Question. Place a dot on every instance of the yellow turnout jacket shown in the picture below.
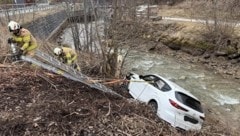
(25, 40)
(69, 54)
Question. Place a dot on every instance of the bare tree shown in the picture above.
(220, 16)
(118, 16)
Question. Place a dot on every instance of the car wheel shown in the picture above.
(153, 105)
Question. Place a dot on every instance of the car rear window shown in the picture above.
(189, 101)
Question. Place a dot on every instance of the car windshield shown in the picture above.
(157, 82)
(149, 78)
(189, 101)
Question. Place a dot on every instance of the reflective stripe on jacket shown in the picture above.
(69, 54)
(25, 40)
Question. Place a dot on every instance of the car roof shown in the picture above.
(176, 87)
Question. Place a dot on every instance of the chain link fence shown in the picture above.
(24, 13)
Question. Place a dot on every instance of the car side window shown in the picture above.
(160, 84)
(163, 86)
(148, 78)
(157, 82)
(166, 88)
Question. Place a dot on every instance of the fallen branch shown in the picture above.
(48, 80)
(5, 66)
(123, 132)
(109, 109)
(145, 119)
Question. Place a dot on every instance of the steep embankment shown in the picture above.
(36, 102)
(42, 103)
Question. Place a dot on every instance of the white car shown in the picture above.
(171, 102)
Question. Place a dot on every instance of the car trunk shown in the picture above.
(190, 113)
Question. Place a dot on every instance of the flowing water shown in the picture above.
(219, 96)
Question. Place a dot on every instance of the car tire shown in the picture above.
(153, 104)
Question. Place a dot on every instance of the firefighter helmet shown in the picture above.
(12, 25)
(57, 51)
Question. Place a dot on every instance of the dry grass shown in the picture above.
(22, 19)
(4, 34)
(173, 12)
(180, 10)
(192, 30)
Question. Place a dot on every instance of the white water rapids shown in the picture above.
(219, 96)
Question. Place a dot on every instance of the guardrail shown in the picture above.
(16, 6)
(13, 9)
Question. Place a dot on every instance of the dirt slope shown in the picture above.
(30, 105)
(41, 103)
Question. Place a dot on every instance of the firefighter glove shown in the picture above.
(10, 40)
(63, 60)
(20, 52)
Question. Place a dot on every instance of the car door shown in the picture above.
(136, 87)
(149, 91)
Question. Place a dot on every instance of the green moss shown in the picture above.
(178, 41)
(164, 40)
(204, 45)
(6, 2)
(186, 42)
(181, 39)
(173, 39)
(231, 50)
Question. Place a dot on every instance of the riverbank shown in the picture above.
(182, 41)
(220, 65)
(224, 55)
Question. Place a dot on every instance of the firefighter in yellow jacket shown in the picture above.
(67, 56)
(23, 38)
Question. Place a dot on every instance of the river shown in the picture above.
(219, 96)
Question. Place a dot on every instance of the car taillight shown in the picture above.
(202, 118)
(174, 104)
